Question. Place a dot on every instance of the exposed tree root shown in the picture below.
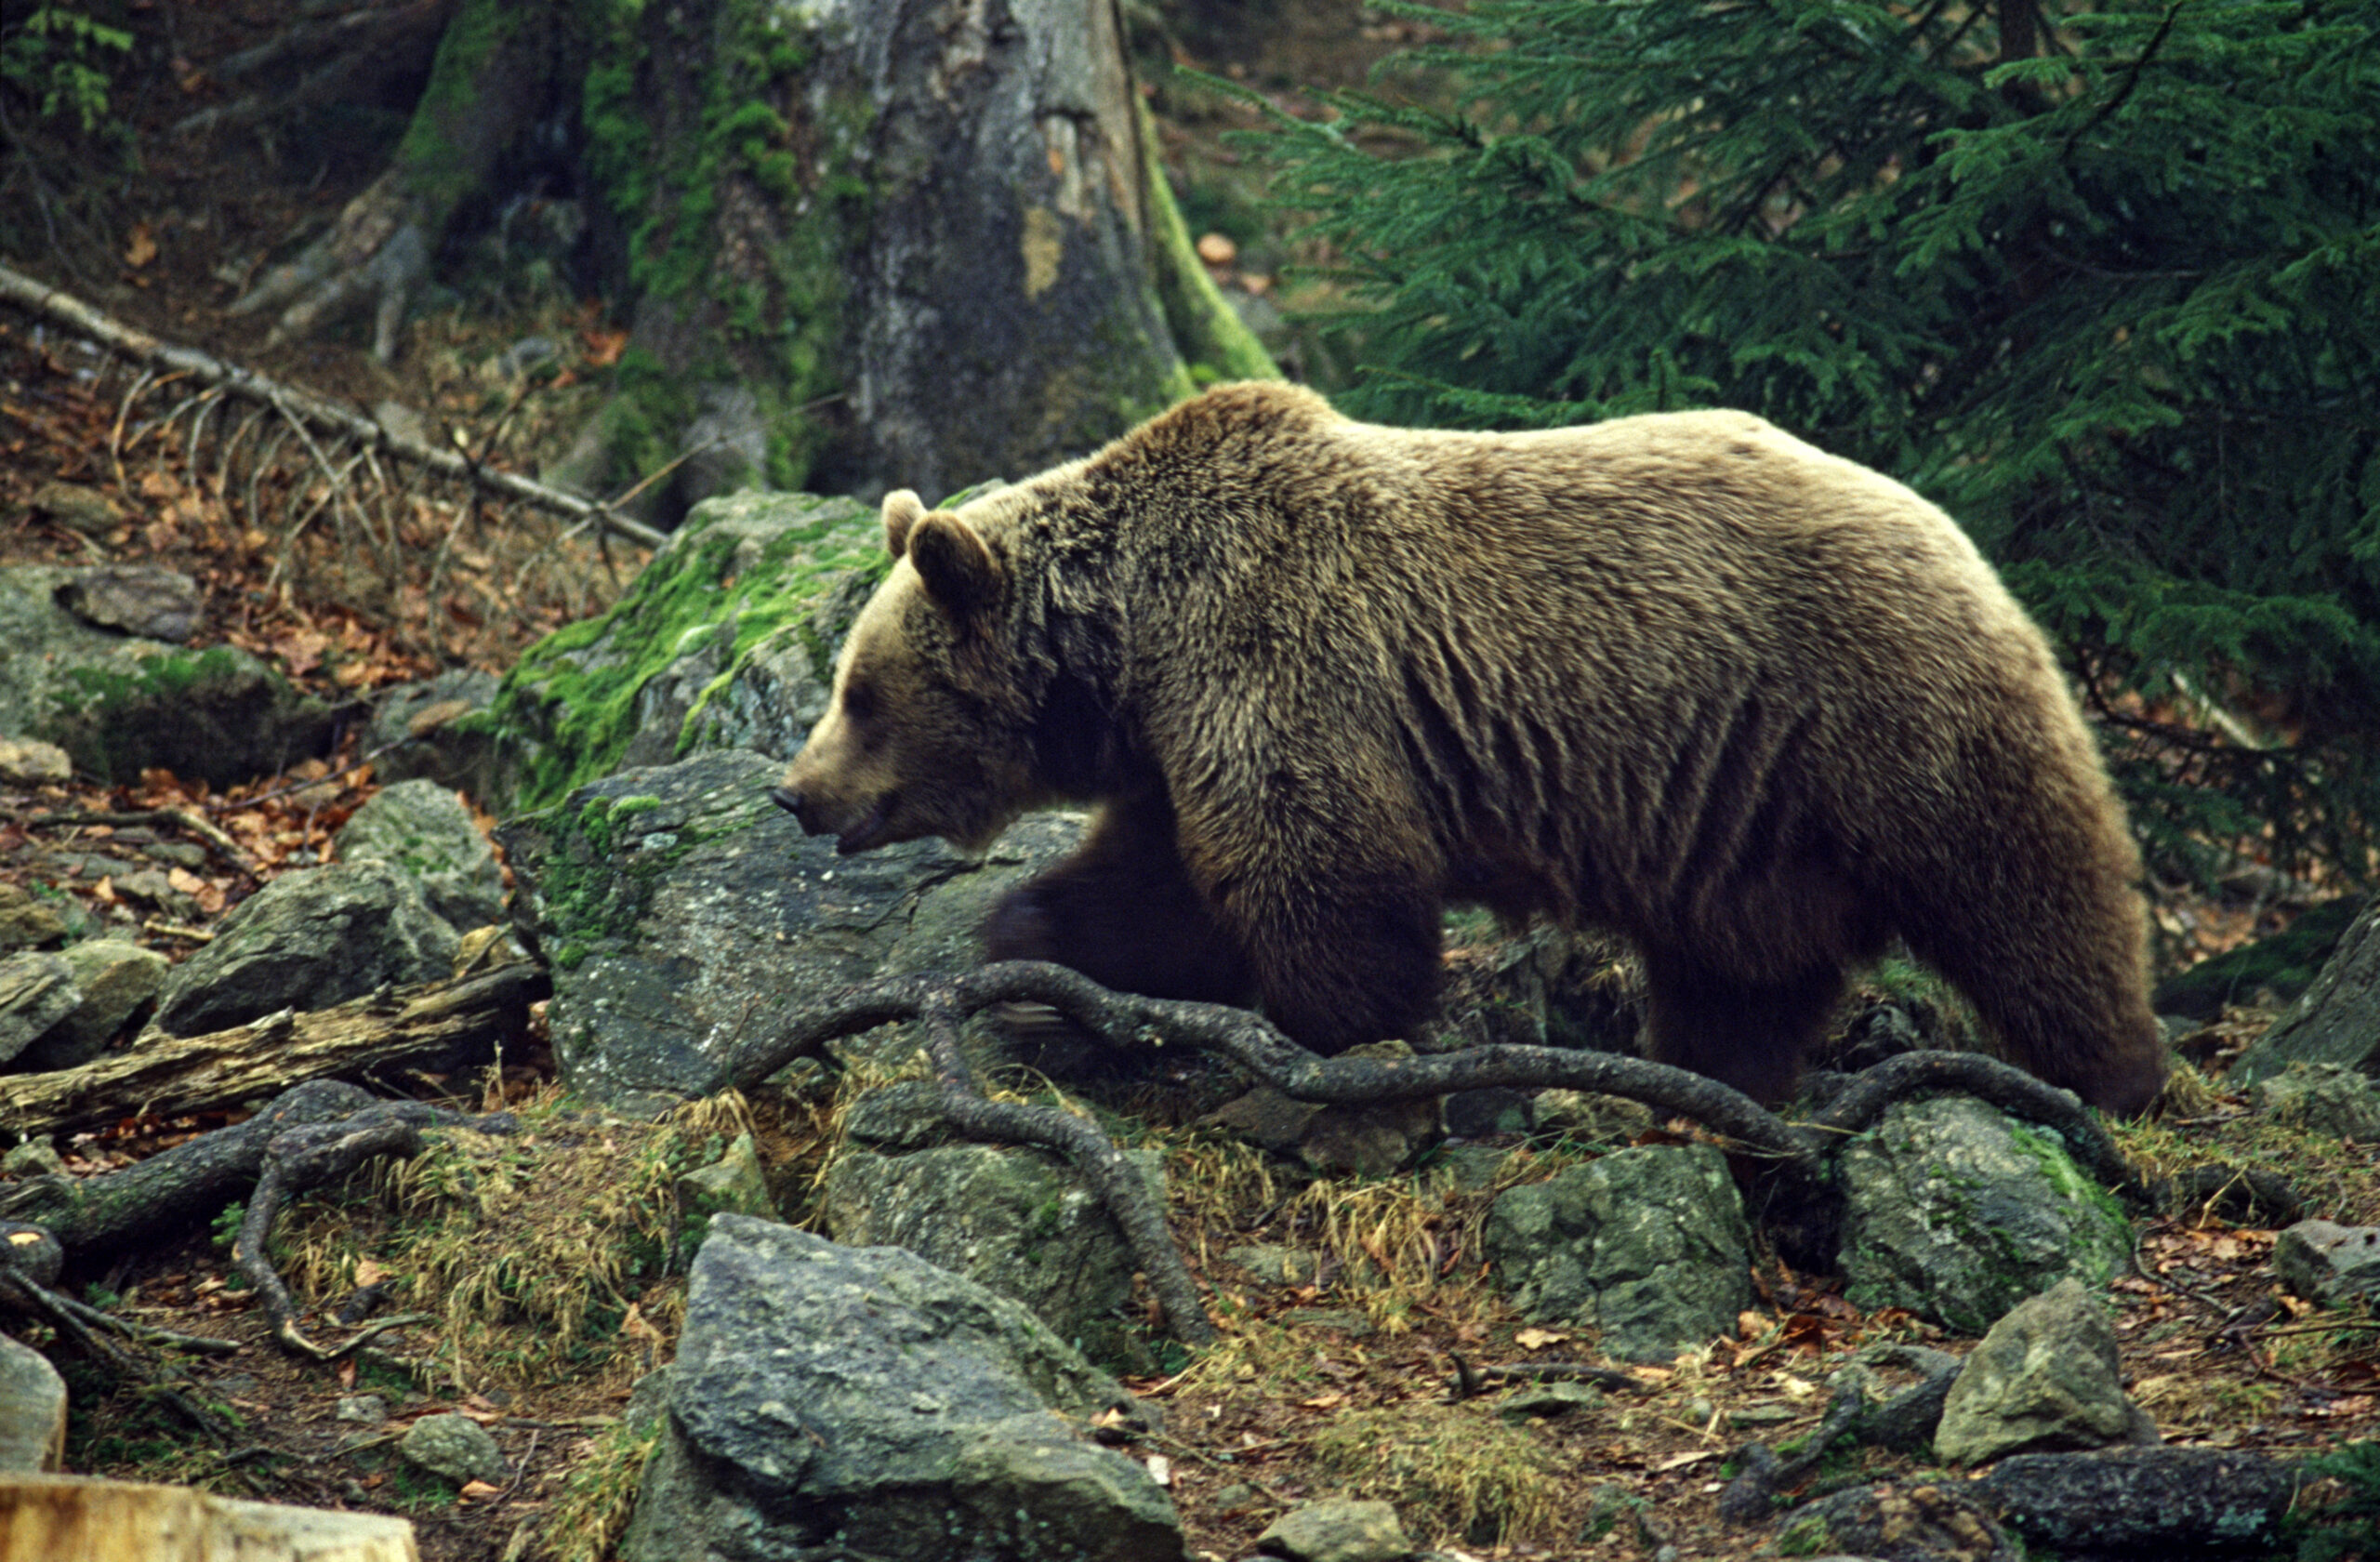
(311, 1155)
(1797, 1154)
(308, 1136)
(322, 1131)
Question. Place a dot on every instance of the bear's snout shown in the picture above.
(816, 818)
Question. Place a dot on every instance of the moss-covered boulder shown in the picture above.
(1958, 1213)
(119, 704)
(726, 640)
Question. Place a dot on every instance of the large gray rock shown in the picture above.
(1957, 1213)
(2046, 1378)
(2337, 1020)
(2146, 1502)
(37, 992)
(33, 1409)
(2323, 1097)
(119, 703)
(680, 909)
(111, 980)
(862, 1402)
(423, 829)
(2329, 1264)
(1647, 1245)
(309, 940)
(1015, 1220)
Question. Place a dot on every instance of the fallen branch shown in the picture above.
(225, 1067)
(304, 406)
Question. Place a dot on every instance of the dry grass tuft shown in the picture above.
(550, 1254)
(1458, 1472)
(599, 1497)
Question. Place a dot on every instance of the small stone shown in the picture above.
(2046, 1377)
(2329, 1264)
(368, 1409)
(1277, 1263)
(147, 601)
(733, 1183)
(34, 1157)
(77, 508)
(28, 762)
(115, 979)
(27, 920)
(1339, 1529)
(1217, 249)
(36, 991)
(456, 1447)
(1549, 1399)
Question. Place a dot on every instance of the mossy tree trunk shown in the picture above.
(863, 243)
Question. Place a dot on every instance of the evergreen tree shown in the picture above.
(2101, 276)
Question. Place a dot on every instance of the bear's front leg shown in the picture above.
(1346, 961)
(1121, 910)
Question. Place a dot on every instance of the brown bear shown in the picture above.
(1681, 676)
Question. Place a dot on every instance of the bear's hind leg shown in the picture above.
(1748, 1035)
(2056, 971)
(1121, 910)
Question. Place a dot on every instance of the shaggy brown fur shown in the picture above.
(1682, 675)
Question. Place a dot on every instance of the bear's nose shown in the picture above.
(792, 802)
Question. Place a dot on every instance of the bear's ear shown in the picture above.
(959, 571)
(902, 508)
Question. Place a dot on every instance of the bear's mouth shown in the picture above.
(868, 832)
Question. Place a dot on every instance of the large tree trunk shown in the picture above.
(869, 242)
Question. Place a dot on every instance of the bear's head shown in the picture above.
(930, 728)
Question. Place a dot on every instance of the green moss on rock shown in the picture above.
(740, 570)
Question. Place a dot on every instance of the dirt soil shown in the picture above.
(1337, 1385)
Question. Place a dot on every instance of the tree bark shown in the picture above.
(862, 245)
(468, 1015)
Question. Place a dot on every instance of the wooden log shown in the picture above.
(93, 1521)
(467, 1014)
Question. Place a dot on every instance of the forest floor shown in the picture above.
(1340, 1385)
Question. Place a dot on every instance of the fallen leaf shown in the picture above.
(480, 1491)
(1679, 1462)
(1325, 1401)
(1538, 1339)
(139, 246)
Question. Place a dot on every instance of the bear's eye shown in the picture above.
(859, 700)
